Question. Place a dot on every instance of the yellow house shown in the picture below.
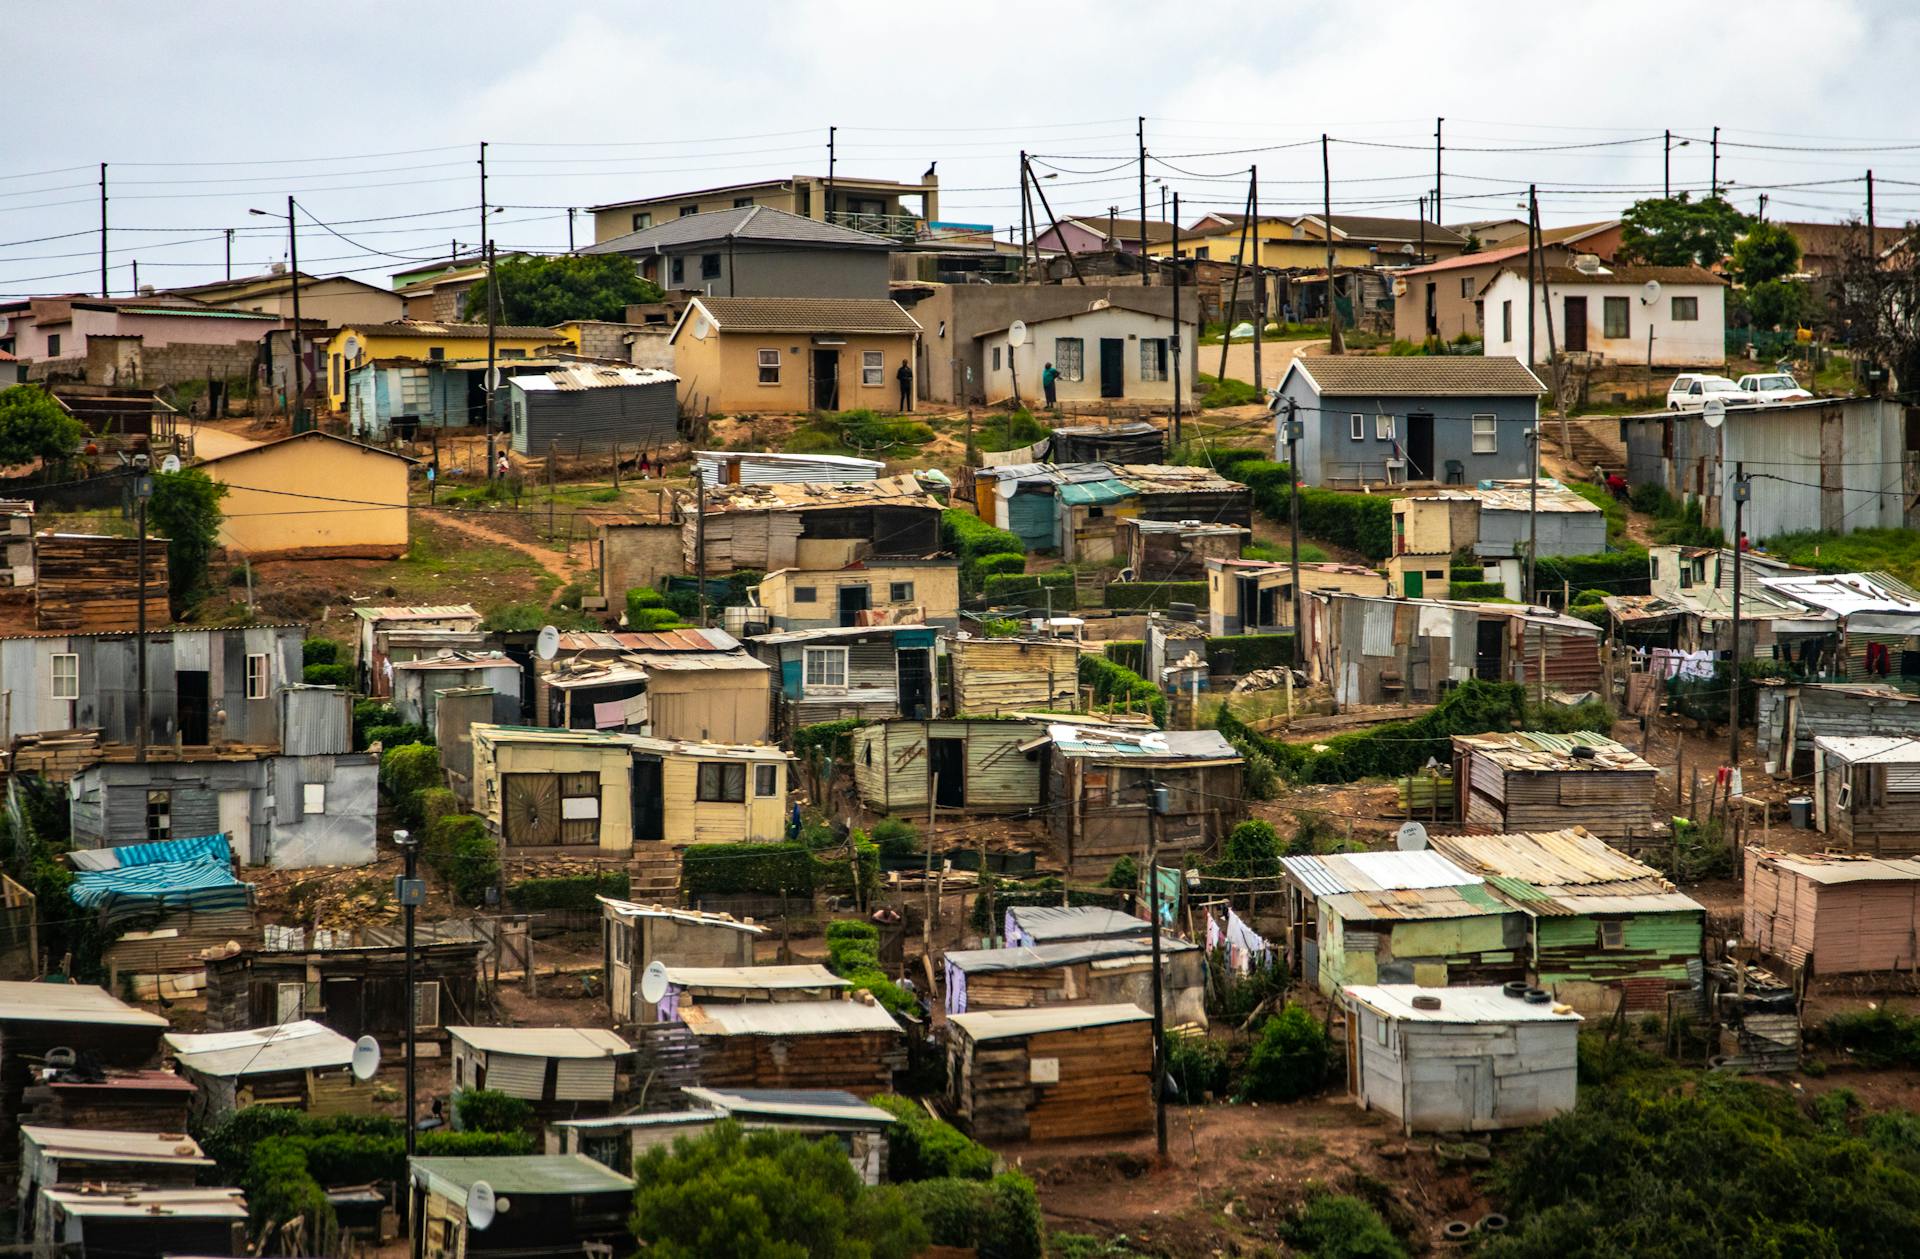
(357, 343)
(708, 793)
(793, 354)
(901, 592)
(1301, 241)
(1256, 596)
(313, 494)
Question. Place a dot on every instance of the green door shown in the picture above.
(1413, 583)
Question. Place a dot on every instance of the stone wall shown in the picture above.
(158, 366)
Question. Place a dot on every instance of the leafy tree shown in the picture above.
(1767, 251)
(1252, 850)
(1878, 302)
(1290, 1058)
(32, 426)
(766, 1195)
(185, 509)
(1776, 303)
(547, 291)
(1680, 231)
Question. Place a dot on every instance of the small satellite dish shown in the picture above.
(1714, 413)
(495, 376)
(1017, 333)
(366, 1058)
(701, 328)
(170, 464)
(547, 646)
(481, 1208)
(1412, 837)
(5, 323)
(350, 348)
(1650, 292)
(653, 982)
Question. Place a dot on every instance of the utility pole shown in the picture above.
(1233, 302)
(1140, 135)
(411, 893)
(570, 210)
(103, 231)
(1873, 243)
(1439, 125)
(1742, 488)
(136, 277)
(229, 253)
(1259, 283)
(833, 150)
(1175, 344)
(1027, 180)
(1716, 162)
(700, 537)
(1336, 342)
(142, 490)
(1666, 164)
(1293, 516)
(1156, 811)
(483, 197)
(1423, 232)
(293, 273)
(1533, 437)
(493, 303)
(1763, 198)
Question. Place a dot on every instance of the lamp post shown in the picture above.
(410, 891)
(142, 491)
(293, 273)
(1666, 163)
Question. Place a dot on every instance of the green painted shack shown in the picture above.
(1603, 924)
(1398, 918)
(984, 764)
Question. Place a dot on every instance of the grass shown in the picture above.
(1895, 551)
(1616, 511)
(865, 433)
(1309, 553)
(1227, 393)
(485, 574)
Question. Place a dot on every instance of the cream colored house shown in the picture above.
(896, 592)
(325, 300)
(708, 793)
(1107, 352)
(737, 354)
(1256, 596)
(313, 494)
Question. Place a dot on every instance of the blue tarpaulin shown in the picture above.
(192, 874)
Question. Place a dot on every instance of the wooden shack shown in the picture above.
(169, 903)
(360, 991)
(1097, 792)
(860, 1129)
(1081, 972)
(145, 1100)
(1372, 650)
(995, 676)
(1460, 1059)
(1790, 716)
(851, 1045)
(768, 527)
(1032, 926)
(634, 936)
(102, 1222)
(301, 1065)
(1536, 781)
(1055, 1074)
(1176, 550)
(52, 1158)
(564, 1072)
(562, 1204)
(1832, 913)
(689, 986)
(982, 765)
(389, 635)
(867, 671)
(90, 584)
(1866, 793)
(37, 1017)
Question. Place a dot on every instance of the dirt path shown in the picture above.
(566, 567)
(1274, 358)
(210, 442)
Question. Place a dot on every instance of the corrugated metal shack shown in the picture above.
(992, 676)
(1794, 714)
(1080, 972)
(104, 1221)
(417, 682)
(391, 634)
(1460, 1059)
(355, 991)
(1872, 629)
(1398, 917)
(767, 527)
(1866, 792)
(53, 1157)
(1177, 550)
(1136, 441)
(689, 986)
(872, 672)
(301, 1065)
(859, 1128)
(565, 1072)
(1031, 926)
(563, 1204)
(1539, 781)
(1052, 1074)
(90, 584)
(984, 765)
(849, 1045)
(634, 936)
(184, 897)
(763, 467)
(112, 1100)
(591, 406)
(1378, 650)
(1831, 913)
(36, 1017)
(1096, 787)
(1603, 925)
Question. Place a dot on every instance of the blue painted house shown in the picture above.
(427, 393)
(1373, 420)
(868, 671)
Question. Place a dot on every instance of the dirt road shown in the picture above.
(1274, 357)
(210, 442)
(565, 567)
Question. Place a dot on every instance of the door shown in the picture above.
(1433, 312)
(853, 601)
(916, 683)
(1413, 583)
(947, 758)
(1489, 641)
(346, 1013)
(649, 819)
(826, 380)
(1576, 312)
(193, 708)
(236, 823)
(1420, 448)
(530, 808)
(1113, 359)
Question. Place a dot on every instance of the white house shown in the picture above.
(1608, 310)
(1105, 352)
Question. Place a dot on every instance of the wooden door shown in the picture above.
(1113, 367)
(580, 808)
(530, 808)
(1576, 312)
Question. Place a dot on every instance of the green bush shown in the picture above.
(368, 713)
(1029, 590)
(396, 735)
(920, 1147)
(1001, 565)
(319, 651)
(436, 803)
(1340, 1226)
(1252, 851)
(1009, 431)
(459, 849)
(1879, 1038)
(1470, 590)
(406, 771)
(489, 1110)
(1259, 776)
(748, 869)
(1116, 687)
(832, 739)
(1623, 572)
(853, 953)
(1125, 874)
(1289, 1059)
(653, 620)
(1356, 522)
(1154, 594)
(972, 540)
(1197, 1065)
(327, 675)
(1245, 653)
(1216, 392)
(569, 891)
(895, 837)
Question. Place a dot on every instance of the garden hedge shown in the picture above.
(1154, 594)
(569, 891)
(1119, 687)
(1128, 653)
(973, 539)
(747, 869)
(1476, 589)
(327, 674)
(1616, 572)
(1359, 522)
(1248, 652)
(1029, 590)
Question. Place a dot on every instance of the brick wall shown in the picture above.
(160, 365)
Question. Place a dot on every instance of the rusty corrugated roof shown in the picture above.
(655, 640)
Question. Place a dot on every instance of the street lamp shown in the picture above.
(411, 892)
(293, 270)
(1666, 161)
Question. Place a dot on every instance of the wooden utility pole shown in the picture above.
(1741, 489)
(1156, 808)
(103, 232)
(1439, 126)
(1873, 236)
(1293, 531)
(1533, 437)
(1336, 342)
(493, 302)
(1716, 163)
(833, 152)
(700, 538)
(933, 797)
(1140, 135)
(484, 233)
(293, 276)
(1233, 302)
(1174, 436)
(1026, 174)
(1259, 280)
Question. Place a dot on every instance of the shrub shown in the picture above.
(1469, 590)
(1260, 778)
(652, 620)
(406, 771)
(473, 866)
(319, 651)
(1009, 432)
(1622, 572)
(1340, 1226)
(895, 838)
(1877, 1038)
(1289, 1059)
(1216, 392)
(750, 869)
(1128, 653)
(1004, 564)
(1029, 590)
(853, 953)
(327, 675)
(395, 735)
(1117, 687)
(827, 738)
(1197, 1065)
(371, 712)
(1125, 874)
(1252, 850)
(1244, 653)
(569, 891)
(489, 1110)
(920, 1147)
(973, 539)
(1154, 594)
(436, 803)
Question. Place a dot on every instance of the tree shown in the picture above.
(1776, 303)
(1767, 251)
(1877, 300)
(185, 509)
(766, 1195)
(32, 426)
(546, 291)
(1680, 231)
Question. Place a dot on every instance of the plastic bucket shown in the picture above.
(1800, 811)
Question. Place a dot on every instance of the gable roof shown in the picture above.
(1123, 229)
(1562, 873)
(433, 330)
(752, 223)
(1623, 274)
(806, 315)
(299, 1046)
(1360, 228)
(300, 437)
(1128, 303)
(1359, 376)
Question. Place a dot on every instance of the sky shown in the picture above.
(371, 115)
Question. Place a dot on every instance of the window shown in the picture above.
(741, 203)
(900, 592)
(825, 666)
(873, 369)
(805, 594)
(769, 367)
(1686, 576)
(1153, 358)
(1506, 321)
(709, 266)
(1614, 322)
(686, 210)
(1070, 358)
(643, 219)
(159, 816)
(1383, 428)
(313, 797)
(289, 1002)
(507, 353)
(1466, 288)
(1613, 935)
(53, 345)
(1357, 426)
(66, 675)
(426, 1006)
(721, 783)
(1686, 309)
(679, 271)
(436, 353)
(1653, 567)
(1203, 251)
(333, 362)
(766, 780)
(1486, 434)
(996, 358)
(257, 675)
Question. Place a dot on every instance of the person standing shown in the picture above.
(1049, 385)
(905, 377)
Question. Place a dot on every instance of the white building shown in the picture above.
(1106, 352)
(1607, 311)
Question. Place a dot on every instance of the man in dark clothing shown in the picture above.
(905, 377)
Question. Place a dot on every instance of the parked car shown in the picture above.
(1691, 390)
(1773, 387)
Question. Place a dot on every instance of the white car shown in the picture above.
(1773, 387)
(1690, 391)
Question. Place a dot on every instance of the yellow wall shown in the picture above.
(611, 761)
(936, 592)
(1277, 248)
(454, 349)
(688, 820)
(722, 372)
(260, 521)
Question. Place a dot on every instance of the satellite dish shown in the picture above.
(170, 464)
(5, 323)
(1650, 292)
(701, 328)
(1714, 413)
(494, 377)
(1412, 837)
(1017, 333)
(366, 1058)
(547, 646)
(350, 348)
(653, 982)
(481, 1207)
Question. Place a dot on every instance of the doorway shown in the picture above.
(1113, 359)
(916, 684)
(947, 761)
(1576, 312)
(648, 808)
(853, 601)
(826, 380)
(1489, 641)
(1433, 313)
(1420, 447)
(191, 705)
(236, 823)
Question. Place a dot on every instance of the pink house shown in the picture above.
(1091, 233)
(43, 328)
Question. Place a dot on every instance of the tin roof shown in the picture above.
(667, 1119)
(299, 1046)
(828, 1104)
(98, 1146)
(1880, 749)
(696, 917)
(835, 632)
(1110, 743)
(96, 1202)
(1039, 1020)
(755, 977)
(777, 457)
(579, 377)
(1085, 493)
(1047, 923)
(1834, 867)
(432, 330)
(1376, 872)
(1065, 953)
(789, 1018)
(824, 315)
(656, 640)
(1559, 873)
(25, 1002)
(461, 660)
(1546, 752)
(437, 612)
(1846, 594)
(688, 747)
(895, 491)
(527, 1174)
(1457, 1005)
(543, 1042)
(750, 223)
(1510, 496)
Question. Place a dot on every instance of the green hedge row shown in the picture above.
(1119, 687)
(1359, 522)
(1616, 572)
(982, 547)
(1029, 590)
(1154, 594)
(1128, 653)
(853, 953)
(569, 891)
(833, 739)
(774, 870)
(1251, 651)
(1476, 589)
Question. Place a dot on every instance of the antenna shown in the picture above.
(1714, 413)
(366, 1058)
(170, 464)
(653, 982)
(547, 645)
(1412, 837)
(481, 1207)
(350, 348)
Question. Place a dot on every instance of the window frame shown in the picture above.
(1070, 358)
(642, 220)
(1617, 929)
(806, 594)
(1383, 430)
(259, 675)
(1609, 307)
(71, 675)
(1357, 426)
(709, 266)
(53, 345)
(996, 358)
(1490, 433)
(766, 781)
(722, 789)
(1692, 308)
(1506, 319)
(1160, 366)
(688, 211)
(873, 369)
(677, 270)
(159, 796)
(832, 659)
(1466, 288)
(313, 799)
(768, 360)
(899, 592)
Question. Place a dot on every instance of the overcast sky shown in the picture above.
(368, 112)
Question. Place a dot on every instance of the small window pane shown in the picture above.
(257, 677)
(826, 666)
(1686, 309)
(769, 367)
(66, 676)
(313, 798)
(1153, 358)
(766, 780)
(721, 783)
(1383, 427)
(873, 369)
(805, 594)
(1486, 435)
(1357, 426)
(1070, 358)
(1615, 320)
(900, 592)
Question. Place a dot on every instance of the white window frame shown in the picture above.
(426, 993)
(1693, 304)
(1156, 358)
(313, 798)
(1486, 434)
(768, 361)
(873, 369)
(899, 592)
(996, 357)
(1383, 426)
(66, 669)
(1070, 357)
(771, 783)
(818, 665)
(289, 1011)
(259, 677)
(1357, 426)
(1613, 934)
(1466, 287)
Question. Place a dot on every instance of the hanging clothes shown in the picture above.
(1244, 944)
(1878, 662)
